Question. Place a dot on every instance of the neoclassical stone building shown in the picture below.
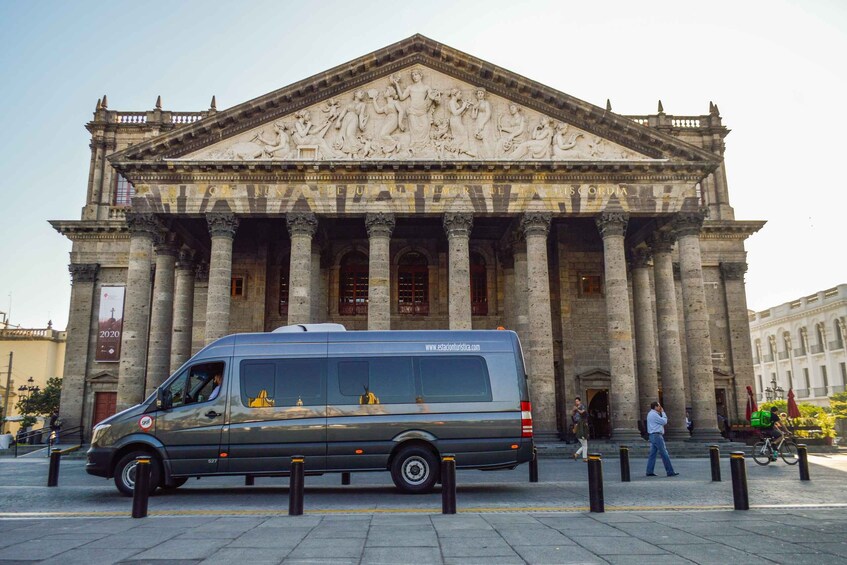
(418, 187)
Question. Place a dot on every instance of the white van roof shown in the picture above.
(310, 328)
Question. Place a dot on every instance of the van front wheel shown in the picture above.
(415, 470)
(126, 468)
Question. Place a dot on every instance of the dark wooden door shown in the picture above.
(104, 405)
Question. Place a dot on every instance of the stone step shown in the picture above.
(611, 449)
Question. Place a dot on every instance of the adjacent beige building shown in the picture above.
(800, 345)
(419, 187)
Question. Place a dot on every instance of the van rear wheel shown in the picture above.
(415, 470)
(126, 468)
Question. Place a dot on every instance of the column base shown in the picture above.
(677, 435)
(712, 435)
(626, 434)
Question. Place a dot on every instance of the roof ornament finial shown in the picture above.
(713, 110)
(661, 108)
(97, 107)
(608, 105)
(159, 102)
(105, 104)
(213, 105)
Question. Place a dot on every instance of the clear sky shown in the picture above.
(776, 69)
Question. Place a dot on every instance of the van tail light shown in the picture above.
(526, 419)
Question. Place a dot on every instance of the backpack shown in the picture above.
(760, 419)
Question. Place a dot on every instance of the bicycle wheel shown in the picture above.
(788, 452)
(762, 453)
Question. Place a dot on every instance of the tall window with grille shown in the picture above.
(479, 285)
(124, 191)
(353, 285)
(413, 284)
(283, 288)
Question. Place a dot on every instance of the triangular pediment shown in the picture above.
(416, 100)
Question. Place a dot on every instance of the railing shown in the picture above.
(817, 348)
(12, 333)
(685, 122)
(641, 120)
(802, 393)
(835, 389)
(833, 345)
(36, 437)
(682, 122)
(819, 391)
(185, 117)
(131, 118)
(783, 355)
(799, 352)
(118, 213)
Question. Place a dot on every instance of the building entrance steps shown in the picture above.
(637, 448)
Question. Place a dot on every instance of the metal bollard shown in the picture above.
(53, 470)
(345, 478)
(533, 466)
(141, 489)
(595, 483)
(715, 458)
(804, 461)
(249, 480)
(624, 464)
(739, 480)
(295, 487)
(448, 484)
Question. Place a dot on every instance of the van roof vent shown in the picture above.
(310, 328)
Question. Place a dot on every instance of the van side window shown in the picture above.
(374, 380)
(454, 379)
(282, 383)
(195, 385)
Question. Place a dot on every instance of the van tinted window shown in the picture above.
(374, 380)
(282, 382)
(454, 379)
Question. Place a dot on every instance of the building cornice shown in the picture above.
(730, 229)
(77, 230)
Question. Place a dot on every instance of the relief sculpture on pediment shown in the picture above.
(419, 114)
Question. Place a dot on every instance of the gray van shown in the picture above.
(347, 401)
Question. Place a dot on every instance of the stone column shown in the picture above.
(687, 226)
(161, 317)
(680, 322)
(670, 352)
(183, 310)
(521, 291)
(739, 333)
(535, 227)
(458, 226)
(222, 228)
(379, 226)
(72, 403)
(624, 393)
(645, 335)
(144, 230)
(201, 299)
(301, 227)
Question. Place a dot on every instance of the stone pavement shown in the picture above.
(794, 536)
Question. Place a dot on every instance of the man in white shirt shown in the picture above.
(656, 422)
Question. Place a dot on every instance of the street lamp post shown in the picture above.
(27, 389)
(774, 392)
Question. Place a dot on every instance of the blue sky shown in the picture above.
(775, 68)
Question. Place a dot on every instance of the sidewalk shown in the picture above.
(795, 536)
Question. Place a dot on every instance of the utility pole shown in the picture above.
(8, 393)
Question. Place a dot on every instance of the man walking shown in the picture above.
(656, 422)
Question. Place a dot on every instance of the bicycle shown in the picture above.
(765, 451)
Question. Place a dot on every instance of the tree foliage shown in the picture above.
(41, 402)
(811, 416)
(838, 405)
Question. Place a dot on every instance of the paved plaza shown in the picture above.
(502, 518)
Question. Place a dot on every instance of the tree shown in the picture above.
(838, 404)
(41, 402)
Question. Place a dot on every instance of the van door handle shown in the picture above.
(212, 414)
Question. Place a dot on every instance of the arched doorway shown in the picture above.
(598, 413)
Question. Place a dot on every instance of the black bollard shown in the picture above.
(533, 466)
(448, 484)
(295, 487)
(739, 480)
(624, 464)
(715, 458)
(804, 461)
(249, 480)
(53, 470)
(345, 478)
(141, 489)
(595, 483)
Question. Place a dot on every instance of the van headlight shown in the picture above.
(98, 433)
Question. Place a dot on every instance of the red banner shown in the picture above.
(110, 324)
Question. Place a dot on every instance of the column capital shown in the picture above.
(536, 223)
(222, 224)
(185, 259)
(166, 247)
(458, 224)
(301, 223)
(733, 271)
(662, 241)
(143, 224)
(201, 272)
(379, 224)
(612, 223)
(689, 223)
(83, 272)
(641, 257)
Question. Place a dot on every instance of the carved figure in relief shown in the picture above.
(351, 120)
(395, 118)
(564, 142)
(538, 147)
(278, 146)
(421, 98)
(457, 107)
(511, 128)
(481, 115)
(307, 133)
(597, 147)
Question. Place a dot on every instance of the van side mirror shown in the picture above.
(164, 399)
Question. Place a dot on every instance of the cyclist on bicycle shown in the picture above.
(775, 430)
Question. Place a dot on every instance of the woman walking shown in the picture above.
(580, 428)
